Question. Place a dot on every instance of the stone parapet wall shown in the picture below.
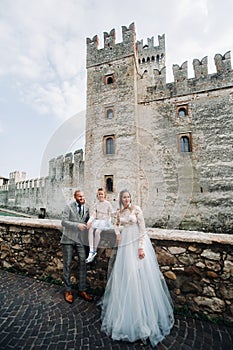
(197, 266)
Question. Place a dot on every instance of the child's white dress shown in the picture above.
(101, 216)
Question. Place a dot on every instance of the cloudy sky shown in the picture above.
(43, 56)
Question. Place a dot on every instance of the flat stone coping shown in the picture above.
(31, 222)
(154, 233)
(8, 211)
(189, 236)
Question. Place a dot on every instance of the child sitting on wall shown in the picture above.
(99, 220)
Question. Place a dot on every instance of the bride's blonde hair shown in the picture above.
(121, 195)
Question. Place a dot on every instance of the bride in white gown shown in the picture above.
(136, 303)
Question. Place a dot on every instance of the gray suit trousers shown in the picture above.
(67, 250)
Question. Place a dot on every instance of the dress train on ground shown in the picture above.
(136, 303)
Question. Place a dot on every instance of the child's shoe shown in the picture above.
(91, 257)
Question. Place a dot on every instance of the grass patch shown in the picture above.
(49, 279)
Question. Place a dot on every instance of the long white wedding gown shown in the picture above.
(136, 303)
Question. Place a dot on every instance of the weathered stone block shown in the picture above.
(213, 304)
(170, 275)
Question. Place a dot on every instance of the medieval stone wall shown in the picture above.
(194, 189)
(66, 174)
(197, 266)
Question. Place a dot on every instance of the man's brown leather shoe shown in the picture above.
(85, 296)
(68, 296)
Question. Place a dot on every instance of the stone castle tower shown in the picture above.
(170, 144)
(111, 127)
(112, 140)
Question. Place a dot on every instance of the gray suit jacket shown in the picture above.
(70, 220)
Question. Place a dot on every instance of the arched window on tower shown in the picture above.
(182, 111)
(109, 144)
(109, 113)
(109, 79)
(185, 143)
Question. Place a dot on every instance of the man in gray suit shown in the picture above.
(74, 219)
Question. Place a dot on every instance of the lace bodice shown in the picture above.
(131, 216)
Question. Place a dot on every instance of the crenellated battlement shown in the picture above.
(200, 67)
(111, 50)
(180, 72)
(110, 39)
(93, 43)
(128, 34)
(160, 78)
(223, 63)
(63, 167)
(202, 81)
(16, 176)
(150, 54)
(151, 64)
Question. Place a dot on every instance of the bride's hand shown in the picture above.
(141, 253)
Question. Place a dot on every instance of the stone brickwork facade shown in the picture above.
(170, 144)
(197, 266)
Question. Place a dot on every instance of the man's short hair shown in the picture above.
(76, 191)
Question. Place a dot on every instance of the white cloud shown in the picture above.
(44, 53)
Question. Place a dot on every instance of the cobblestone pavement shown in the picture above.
(34, 315)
